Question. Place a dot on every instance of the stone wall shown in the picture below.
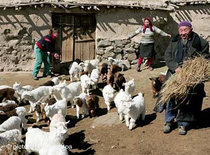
(19, 31)
(115, 25)
(119, 49)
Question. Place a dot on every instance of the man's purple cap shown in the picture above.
(185, 23)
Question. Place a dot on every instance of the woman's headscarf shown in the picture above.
(149, 26)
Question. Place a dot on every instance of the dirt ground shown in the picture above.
(105, 134)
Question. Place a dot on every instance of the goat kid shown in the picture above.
(108, 94)
(80, 103)
(157, 83)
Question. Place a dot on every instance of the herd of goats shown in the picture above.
(50, 101)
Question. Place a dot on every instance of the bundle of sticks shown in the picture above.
(194, 71)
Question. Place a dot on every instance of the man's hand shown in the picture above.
(178, 70)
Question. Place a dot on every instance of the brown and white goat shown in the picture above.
(80, 103)
(7, 111)
(104, 71)
(39, 108)
(157, 83)
(92, 104)
(119, 81)
(7, 94)
(115, 68)
(5, 115)
(8, 107)
(116, 80)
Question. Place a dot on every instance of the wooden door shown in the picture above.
(77, 36)
(85, 37)
(85, 44)
(67, 44)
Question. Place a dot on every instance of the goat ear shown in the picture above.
(152, 78)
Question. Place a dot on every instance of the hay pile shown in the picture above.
(194, 71)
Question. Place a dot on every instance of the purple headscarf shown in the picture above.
(185, 23)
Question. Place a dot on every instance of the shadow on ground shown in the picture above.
(76, 141)
(204, 120)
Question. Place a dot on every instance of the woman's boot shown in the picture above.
(138, 68)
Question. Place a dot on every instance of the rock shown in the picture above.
(118, 50)
(108, 54)
(107, 120)
(126, 64)
(131, 56)
(104, 43)
(129, 50)
(119, 56)
(109, 49)
(100, 52)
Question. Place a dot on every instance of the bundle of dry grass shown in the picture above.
(194, 71)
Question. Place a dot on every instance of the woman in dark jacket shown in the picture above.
(42, 49)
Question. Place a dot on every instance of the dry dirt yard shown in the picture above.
(105, 134)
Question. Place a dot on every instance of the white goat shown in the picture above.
(21, 112)
(11, 136)
(53, 109)
(55, 80)
(20, 89)
(134, 109)
(74, 71)
(119, 100)
(130, 87)
(118, 62)
(67, 92)
(75, 89)
(81, 103)
(86, 82)
(94, 76)
(4, 86)
(89, 65)
(35, 95)
(7, 102)
(108, 94)
(43, 139)
(13, 122)
(57, 121)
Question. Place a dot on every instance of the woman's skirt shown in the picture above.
(146, 50)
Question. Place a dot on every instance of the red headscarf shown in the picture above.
(149, 26)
